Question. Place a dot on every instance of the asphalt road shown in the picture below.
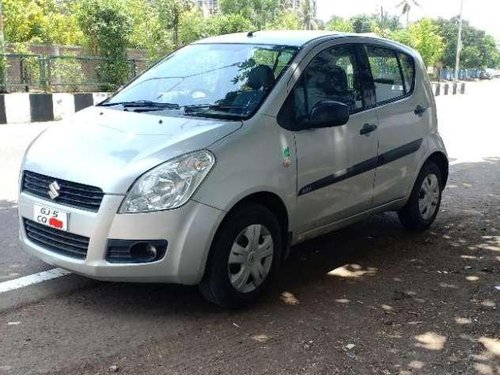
(371, 298)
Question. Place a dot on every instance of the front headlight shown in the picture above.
(170, 184)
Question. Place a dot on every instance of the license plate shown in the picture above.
(50, 217)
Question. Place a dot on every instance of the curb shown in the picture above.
(22, 107)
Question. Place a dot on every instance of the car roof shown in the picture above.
(296, 38)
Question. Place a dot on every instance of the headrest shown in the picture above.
(260, 77)
(335, 81)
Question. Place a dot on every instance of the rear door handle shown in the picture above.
(419, 111)
(367, 128)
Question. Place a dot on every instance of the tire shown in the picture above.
(416, 215)
(238, 248)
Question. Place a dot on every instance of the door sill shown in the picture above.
(316, 232)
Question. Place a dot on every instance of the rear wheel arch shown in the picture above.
(440, 159)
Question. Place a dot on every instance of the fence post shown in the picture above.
(48, 67)
(43, 73)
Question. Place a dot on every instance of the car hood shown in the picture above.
(110, 149)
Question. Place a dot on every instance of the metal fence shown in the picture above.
(63, 73)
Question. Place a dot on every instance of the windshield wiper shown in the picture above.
(195, 108)
(143, 104)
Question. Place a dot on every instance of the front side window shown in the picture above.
(210, 80)
(393, 76)
(334, 74)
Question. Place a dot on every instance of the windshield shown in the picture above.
(210, 80)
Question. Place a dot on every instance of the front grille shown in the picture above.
(58, 241)
(70, 194)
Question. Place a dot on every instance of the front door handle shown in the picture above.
(419, 111)
(367, 128)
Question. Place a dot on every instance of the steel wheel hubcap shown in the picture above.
(250, 258)
(428, 198)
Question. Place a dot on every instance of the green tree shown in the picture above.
(258, 12)
(174, 10)
(307, 15)
(107, 28)
(148, 28)
(382, 24)
(387, 23)
(193, 26)
(424, 37)
(339, 24)
(287, 20)
(41, 21)
(478, 49)
(226, 24)
(364, 24)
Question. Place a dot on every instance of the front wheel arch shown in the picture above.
(216, 286)
(274, 204)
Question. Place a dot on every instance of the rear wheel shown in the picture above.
(423, 206)
(243, 258)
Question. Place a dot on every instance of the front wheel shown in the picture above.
(243, 257)
(423, 206)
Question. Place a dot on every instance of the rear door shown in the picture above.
(402, 116)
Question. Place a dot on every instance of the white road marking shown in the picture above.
(36, 278)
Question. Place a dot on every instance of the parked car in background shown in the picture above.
(487, 74)
(206, 168)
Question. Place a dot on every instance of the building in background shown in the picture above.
(208, 6)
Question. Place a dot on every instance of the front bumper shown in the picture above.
(189, 231)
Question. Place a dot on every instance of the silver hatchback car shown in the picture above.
(207, 167)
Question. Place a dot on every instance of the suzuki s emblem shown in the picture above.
(54, 190)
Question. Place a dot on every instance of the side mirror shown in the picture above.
(327, 113)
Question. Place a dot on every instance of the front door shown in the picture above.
(335, 165)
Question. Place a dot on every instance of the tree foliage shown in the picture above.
(257, 12)
(107, 26)
(340, 24)
(478, 48)
(42, 21)
(424, 37)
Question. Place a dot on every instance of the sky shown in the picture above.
(482, 14)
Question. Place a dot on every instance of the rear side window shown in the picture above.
(408, 68)
(393, 73)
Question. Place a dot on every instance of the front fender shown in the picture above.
(260, 157)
